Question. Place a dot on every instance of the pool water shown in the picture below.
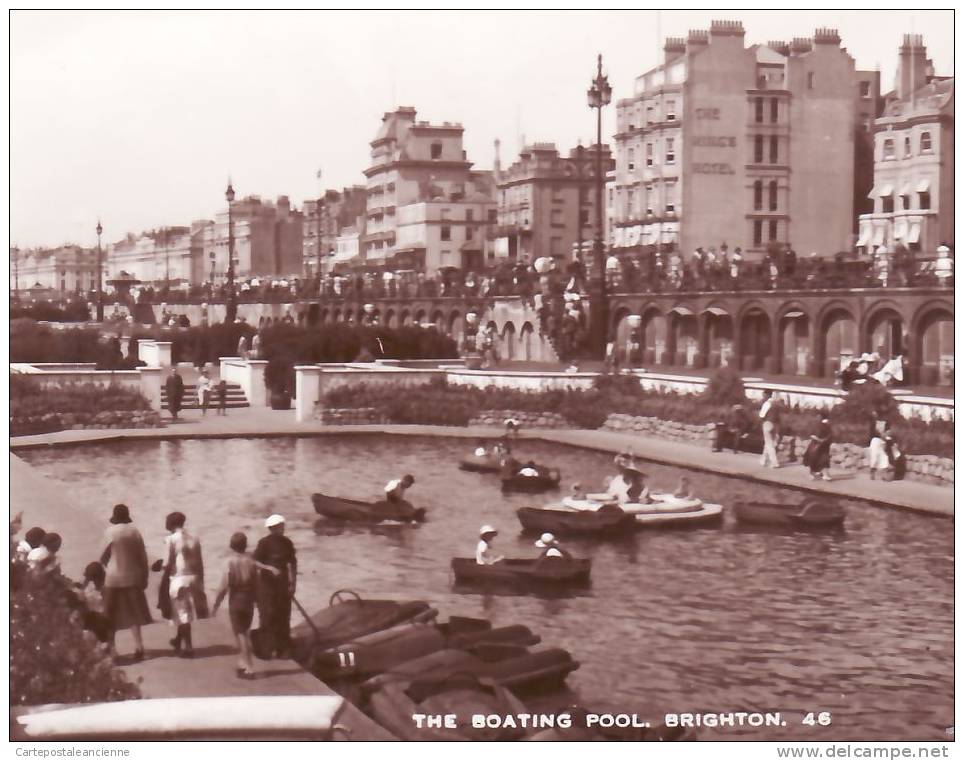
(858, 623)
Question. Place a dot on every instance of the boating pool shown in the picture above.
(858, 623)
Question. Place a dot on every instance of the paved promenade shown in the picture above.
(910, 495)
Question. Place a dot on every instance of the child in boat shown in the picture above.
(683, 490)
(551, 549)
(529, 470)
(239, 584)
(396, 488)
(484, 553)
(480, 449)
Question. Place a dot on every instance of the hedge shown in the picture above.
(441, 404)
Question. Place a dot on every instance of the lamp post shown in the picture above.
(230, 305)
(599, 95)
(580, 162)
(100, 266)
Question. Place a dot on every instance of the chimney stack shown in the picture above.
(674, 48)
(696, 40)
(912, 66)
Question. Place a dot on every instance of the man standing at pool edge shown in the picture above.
(275, 591)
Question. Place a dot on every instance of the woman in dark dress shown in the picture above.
(818, 451)
(174, 386)
(125, 561)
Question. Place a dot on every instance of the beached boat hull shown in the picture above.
(554, 571)
(356, 511)
(810, 514)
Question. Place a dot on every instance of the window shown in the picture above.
(925, 142)
(774, 110)
(446, 232)
(649, 199)
(671, 198)
(810, 80)
(773, 229)
(904, 201)
(887, 204)
(670, 151)
(632, 127)
(671, 110)
(649, 114)
(889, 149)
(470, 215)
(758, 110)
(758, 149)
(629, 204)
(632, 159)
(557, 218)
(773, 195)
(774, 148)
(924, 200)
(865, 89)
(758, 195)
(907, 146)
(649, 154)
(493, 215)
(584, 217)
(757, 232)
(436, 150)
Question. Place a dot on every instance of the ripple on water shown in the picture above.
(858, 622)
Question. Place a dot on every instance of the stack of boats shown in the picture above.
(396, 660)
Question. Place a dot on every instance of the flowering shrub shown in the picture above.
(52, 658)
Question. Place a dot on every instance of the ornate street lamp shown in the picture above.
(231, 304)
(599, 95)
(100, 266)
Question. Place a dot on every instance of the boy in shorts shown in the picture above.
(239, 584)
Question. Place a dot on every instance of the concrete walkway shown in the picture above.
(263, 422)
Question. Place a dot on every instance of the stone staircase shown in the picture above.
(235, 398)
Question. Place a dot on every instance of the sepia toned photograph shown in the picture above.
(487, 375)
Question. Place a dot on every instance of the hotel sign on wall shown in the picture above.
(712, 141)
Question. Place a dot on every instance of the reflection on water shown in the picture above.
(858, 623)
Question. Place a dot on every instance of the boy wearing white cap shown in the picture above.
(275, 591)
(484, 553)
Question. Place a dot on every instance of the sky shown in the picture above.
(140, 117)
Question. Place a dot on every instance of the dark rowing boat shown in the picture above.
(811, 513)
(486, 464)
(356, 511)
(543, 571)
(607, 520)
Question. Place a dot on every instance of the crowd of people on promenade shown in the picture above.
(112, 598)
(885, 460)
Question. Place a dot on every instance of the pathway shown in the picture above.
(250, 422)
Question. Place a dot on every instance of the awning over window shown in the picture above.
(879, 236)
(913, 235)
(718, 311)
(924, 185)
(682, 311)
(900, 228)
(794, 314)
(885, 190)
(905, 189)
(864, 236)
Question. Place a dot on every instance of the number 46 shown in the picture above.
(822, 718)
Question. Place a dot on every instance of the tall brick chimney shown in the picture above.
(912, 66)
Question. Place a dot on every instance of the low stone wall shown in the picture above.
(526, 419)
(75, 421)
(351, 416)
(663, 429)
(846, 457)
